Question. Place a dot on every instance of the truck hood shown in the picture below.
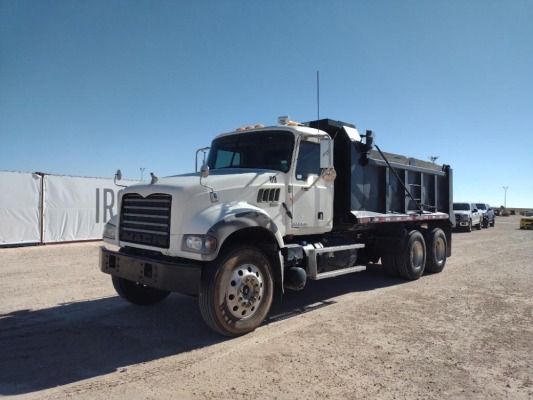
(219, 180)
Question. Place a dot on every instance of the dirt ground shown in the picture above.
(466, 333)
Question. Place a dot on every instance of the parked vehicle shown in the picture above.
(467, 215)
(526, 222)
(277, 205)
(488, 214)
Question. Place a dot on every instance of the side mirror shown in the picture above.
(203, 150)
(326, 154)
(204, 170)
(118, 177)
(329, 174)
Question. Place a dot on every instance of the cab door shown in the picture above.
(312, 196)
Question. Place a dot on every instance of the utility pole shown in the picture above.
(142, 171)
(505, 196)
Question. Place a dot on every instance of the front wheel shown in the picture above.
(138, 293)
(493, 222)
(236, 291)
(478, 226)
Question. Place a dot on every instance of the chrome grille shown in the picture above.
(146, 220)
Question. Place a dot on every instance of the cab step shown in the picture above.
(313, 266)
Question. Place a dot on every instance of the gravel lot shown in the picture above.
(466, 333)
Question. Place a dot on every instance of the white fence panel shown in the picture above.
(76, 208)
(20, 216)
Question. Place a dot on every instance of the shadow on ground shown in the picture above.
(75, 341)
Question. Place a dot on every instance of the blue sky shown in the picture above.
(87, 87)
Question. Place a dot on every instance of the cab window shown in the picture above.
(308, 160)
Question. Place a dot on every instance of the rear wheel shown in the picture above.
(138, 293)
(236, 291)
(437, 250)
(411, 263)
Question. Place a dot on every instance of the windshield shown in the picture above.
(256, 150)
(481, 206)
(461, 206)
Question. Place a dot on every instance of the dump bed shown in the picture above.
(382, 187)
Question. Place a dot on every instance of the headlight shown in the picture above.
(110, 231)
(203, 244)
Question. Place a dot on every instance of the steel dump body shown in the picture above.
(368, 188)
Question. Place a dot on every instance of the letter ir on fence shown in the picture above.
(108, 197)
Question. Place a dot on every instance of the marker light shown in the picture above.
(284, 120)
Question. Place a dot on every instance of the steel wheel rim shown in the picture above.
(417, 255)
(245, 290)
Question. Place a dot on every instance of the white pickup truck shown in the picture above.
(466, 215)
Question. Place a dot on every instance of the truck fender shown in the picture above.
(242, 219)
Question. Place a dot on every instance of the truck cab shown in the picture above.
(289, 165)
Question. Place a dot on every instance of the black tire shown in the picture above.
(493, 222)
(138, 293)
(478, 225)
(436, 251)
(485, 222)
(469, 227)
(412, 262)
(236, 292)
(389, 264)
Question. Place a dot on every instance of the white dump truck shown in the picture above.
(276, 206)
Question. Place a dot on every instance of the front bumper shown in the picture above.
(175, 277)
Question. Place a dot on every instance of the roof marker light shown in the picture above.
(284, 120)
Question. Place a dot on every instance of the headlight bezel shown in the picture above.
(201, 244)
